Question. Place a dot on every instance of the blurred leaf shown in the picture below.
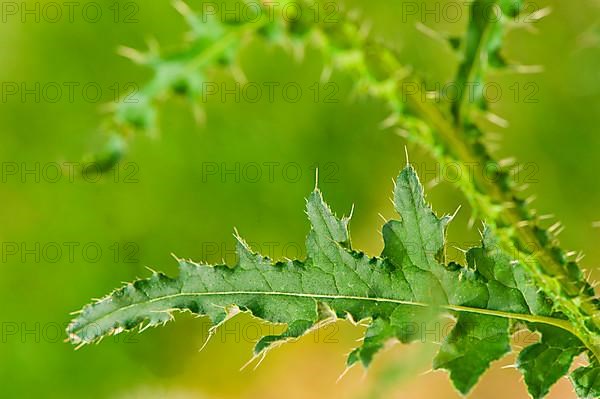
(587, 382)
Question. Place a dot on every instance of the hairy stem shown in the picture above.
(550, 274)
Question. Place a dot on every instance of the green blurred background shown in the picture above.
(163, 202)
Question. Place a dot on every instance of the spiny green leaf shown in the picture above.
(545, 362)
(401, 292)
(474, 343)
(587, 381)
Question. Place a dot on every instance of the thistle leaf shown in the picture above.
(587, 381)
(543, 363)
(474, 343)
(402, 293)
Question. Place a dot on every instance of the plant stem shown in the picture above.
(552, 277)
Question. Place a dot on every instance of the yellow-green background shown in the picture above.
(171, 210)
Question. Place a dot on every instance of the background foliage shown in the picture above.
(174, 208)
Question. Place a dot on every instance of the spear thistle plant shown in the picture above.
(519, 278)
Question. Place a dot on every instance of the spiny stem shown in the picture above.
(450, 136)
(466, 70)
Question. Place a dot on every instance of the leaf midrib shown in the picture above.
(563, 324)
